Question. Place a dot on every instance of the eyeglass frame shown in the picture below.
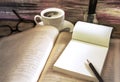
(20, 20)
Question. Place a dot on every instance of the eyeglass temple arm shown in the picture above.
(17, 14)
(6, 26)
(22, 18)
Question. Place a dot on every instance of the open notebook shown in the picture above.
(89, 41)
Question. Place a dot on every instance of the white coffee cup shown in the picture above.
(51, 16)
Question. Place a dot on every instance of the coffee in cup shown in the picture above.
(51, 16)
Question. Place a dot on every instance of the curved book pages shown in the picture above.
(89, 41)
(23, 55)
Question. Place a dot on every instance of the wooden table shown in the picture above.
(110, 73)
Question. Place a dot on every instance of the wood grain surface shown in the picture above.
(111, 72)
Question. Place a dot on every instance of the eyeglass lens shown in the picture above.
(4, 31)
(22, 26)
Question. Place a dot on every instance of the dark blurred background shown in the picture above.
(108, 11)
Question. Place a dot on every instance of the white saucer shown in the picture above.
(68, 26)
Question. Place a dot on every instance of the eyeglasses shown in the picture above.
(22, 24)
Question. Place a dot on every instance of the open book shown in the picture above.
(89, 41)
(23, 55)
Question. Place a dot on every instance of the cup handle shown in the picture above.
(37, 17)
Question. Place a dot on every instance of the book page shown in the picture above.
(23, 56)
(92, 33)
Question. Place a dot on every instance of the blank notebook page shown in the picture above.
(75, 56)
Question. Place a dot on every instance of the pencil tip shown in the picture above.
(88, 61)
